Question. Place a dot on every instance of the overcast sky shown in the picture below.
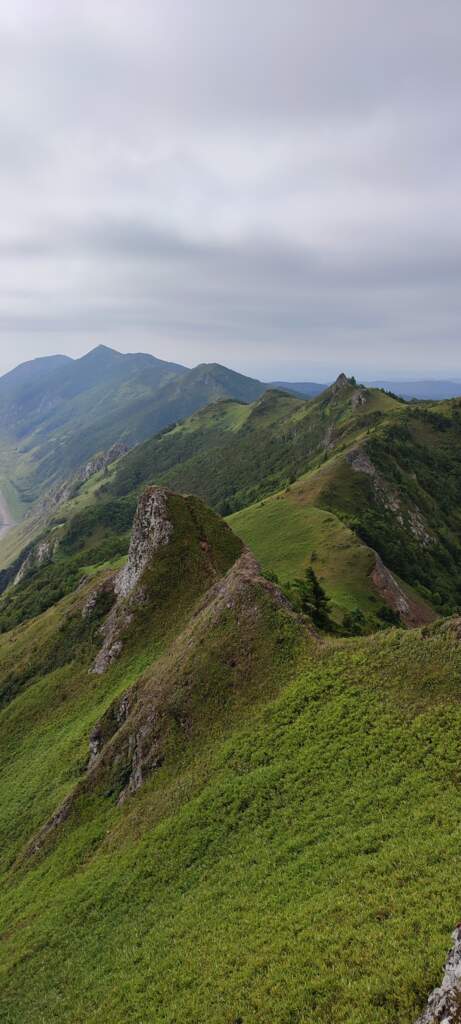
(270, 184)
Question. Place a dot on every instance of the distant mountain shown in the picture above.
(424, 390)
(56, 413)
(308, 388)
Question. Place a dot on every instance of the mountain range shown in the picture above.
(56, 412)
(230, 718)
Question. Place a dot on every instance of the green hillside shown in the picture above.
(266, 827)
(56, 413)
(328, 482)
(231, 456)
(287, 536)
(374, 462)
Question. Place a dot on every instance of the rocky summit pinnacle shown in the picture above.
(151, 529)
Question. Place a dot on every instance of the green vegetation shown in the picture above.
(56, 413)
(311, 599)
(292, 852)
(98, 535)
(294, 858)
(232, 457)
(287, 535)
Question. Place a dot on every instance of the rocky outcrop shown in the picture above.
(359, 398)
(152, 529)
(444, 1003)
(133, 732)
(44, 550)
(239, 623)
(412, 612)
(100, 462)
(41, 553)
(340, 383)
(387, 496)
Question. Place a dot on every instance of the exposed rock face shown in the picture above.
(340, 383)
(444, 1003)
(41, 553)
(66, 490)
(389, 497)
(411, 612)
(131, 740)
(152, 528)
(101, 461)
(145, 712)
(44, 550)
(359, 398)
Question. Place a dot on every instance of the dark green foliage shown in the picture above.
(389, 616)
(279, 440)
(421, 458)
(42, 587)
(311, 599)
(79, 407)
(354, 623)
(96, 535)
(106, 517)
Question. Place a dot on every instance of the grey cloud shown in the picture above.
(272, 185)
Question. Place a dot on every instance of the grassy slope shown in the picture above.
(297, 860)
(291, 530)
(232, 456)
(287, 536)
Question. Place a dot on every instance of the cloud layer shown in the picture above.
(273, 186)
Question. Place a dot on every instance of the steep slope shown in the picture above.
(231, 455)
(54, 419)
(237, 820)
(288, 534)
(370, 463)
(18, 388)
(374, 462)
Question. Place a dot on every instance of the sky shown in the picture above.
(267, 184)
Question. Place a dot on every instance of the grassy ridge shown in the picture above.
(287, 536)
(286, 867)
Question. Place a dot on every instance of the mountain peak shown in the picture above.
(100, 353)
(178, 547)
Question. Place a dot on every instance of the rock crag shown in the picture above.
(444, 1003)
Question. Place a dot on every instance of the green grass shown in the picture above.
(287, 536)
(299, 865)
(226, 414)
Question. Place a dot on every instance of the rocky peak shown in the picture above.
(152, 528)
(178, 548)
(340, 383)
